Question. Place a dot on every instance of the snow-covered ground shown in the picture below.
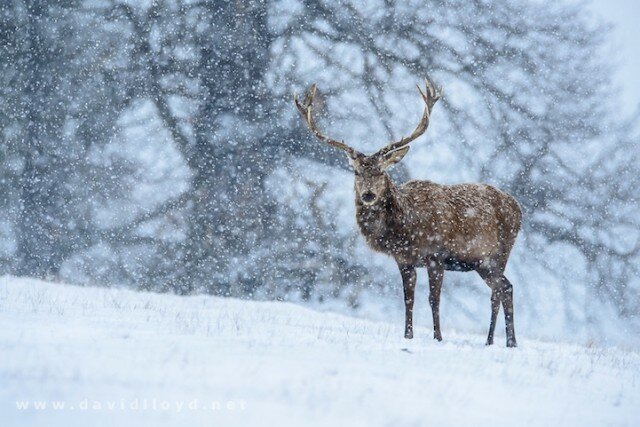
(97, 356)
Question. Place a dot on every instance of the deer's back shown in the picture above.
(464, 224)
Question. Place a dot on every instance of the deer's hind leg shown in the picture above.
(506, 294)
(501, 292)
(495, 308)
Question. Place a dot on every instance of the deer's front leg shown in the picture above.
(408, 273)
(436, 274)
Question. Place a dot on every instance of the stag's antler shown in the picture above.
(305, 108)
(430, 98)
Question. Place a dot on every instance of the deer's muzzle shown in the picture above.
(368, 197)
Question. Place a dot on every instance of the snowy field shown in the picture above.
(93, 356)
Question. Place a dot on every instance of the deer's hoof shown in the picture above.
(511, 344)
(408, 335)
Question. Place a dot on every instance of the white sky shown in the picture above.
(625, 46)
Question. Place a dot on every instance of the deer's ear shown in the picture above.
(393, 157)
(351, 160)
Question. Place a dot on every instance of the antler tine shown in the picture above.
(305, 108)
(430, 96)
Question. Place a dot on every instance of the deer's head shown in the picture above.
(372, 180)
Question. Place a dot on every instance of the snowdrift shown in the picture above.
(77, 356)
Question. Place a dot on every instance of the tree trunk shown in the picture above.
(38, 249)
(230, 158)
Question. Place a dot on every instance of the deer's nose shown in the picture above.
(368, 196)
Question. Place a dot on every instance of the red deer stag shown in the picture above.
(423, 224)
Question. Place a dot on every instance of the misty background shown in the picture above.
(154, 145)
